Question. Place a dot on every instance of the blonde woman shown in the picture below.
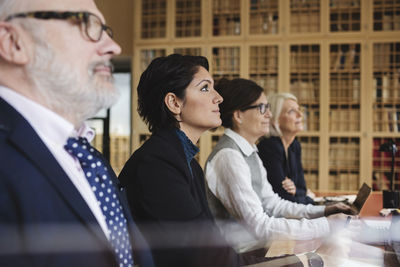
(281, 152)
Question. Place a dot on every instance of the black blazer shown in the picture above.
(272, 154)
(170, 206)
(44, 221)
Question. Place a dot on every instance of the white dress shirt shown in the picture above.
(54, 131)
(268, 216)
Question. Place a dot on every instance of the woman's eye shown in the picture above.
(204, 88)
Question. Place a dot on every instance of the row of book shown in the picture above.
(148, 55)
(309, 155)
(305, 91)
(387, 119)
(263, 23)
(226, 6)
(226, 25)
(264, 4)
(269, 83)
(387, 86)
(345, 90)
(344, 120)
(345, 59)
(311, 180)
(310, 119)
(384, 58)
(263, 58)
(301, 61)
(387, 21)
(345, 181)
(344, 3)
(226, 59)
(344, 156)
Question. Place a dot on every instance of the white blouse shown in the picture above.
(268, 216)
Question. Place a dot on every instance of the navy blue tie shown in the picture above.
(102, 186)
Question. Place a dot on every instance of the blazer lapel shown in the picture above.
(37, 152)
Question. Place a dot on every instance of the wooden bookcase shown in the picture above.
(341, 58)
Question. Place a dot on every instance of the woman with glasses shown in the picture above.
(281, 152)
(247, 210)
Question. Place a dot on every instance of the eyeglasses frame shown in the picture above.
(79, 16)
(259, 106)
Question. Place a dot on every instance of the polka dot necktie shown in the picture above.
(99, 179)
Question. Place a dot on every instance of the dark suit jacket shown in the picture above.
(272, 154)
(170, 206)
(44, 221)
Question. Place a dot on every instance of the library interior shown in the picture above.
(340, 58)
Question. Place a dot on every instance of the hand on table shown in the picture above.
(339, 208)
(289, 186)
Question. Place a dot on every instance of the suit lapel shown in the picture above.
(25, 139)
(172, 138)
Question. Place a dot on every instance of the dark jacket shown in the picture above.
(44, 221)
(272, 154)
(170, 205)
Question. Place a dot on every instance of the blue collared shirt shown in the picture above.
(189, 148)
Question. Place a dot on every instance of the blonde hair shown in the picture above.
(276, 101)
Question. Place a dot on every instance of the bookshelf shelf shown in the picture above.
(188, 18)
(304, 16)
(341, 58)
(345, 16)
(386, 15)
(153, 19)
(264, 17)
(226, 17)
(382, 165)
(263, 67)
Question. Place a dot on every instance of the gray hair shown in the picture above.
(7, 7)
(276, 101)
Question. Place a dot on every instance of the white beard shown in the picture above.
(63, 90)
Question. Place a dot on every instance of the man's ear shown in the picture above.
(12, 47)
(173, 103)
(237, 117)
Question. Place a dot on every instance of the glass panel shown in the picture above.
(192, 51)
(305, 82)
(226, 62)
(146, 56)
(386, 15)
(304, 16)
(264, 67)
(386, 86)
(226, 17)
(344, 87)
(188, 18)
(345, 15)
(309, 158)
(154, 18)
(264, 16)
(344, 163)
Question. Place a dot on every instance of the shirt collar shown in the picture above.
(242, 143)
(45, 122)
(188, 147)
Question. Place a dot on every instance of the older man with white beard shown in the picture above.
(60, 203)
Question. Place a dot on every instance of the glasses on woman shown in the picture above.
(92, 23)
(261, 107)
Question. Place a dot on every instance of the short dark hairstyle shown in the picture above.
(238, 94)
(173, 74)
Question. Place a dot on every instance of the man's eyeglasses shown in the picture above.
(262, 107)
(93, 26)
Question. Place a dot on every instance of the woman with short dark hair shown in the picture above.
(249, 213)
(164, 183)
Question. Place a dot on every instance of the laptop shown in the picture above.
(362, 196)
